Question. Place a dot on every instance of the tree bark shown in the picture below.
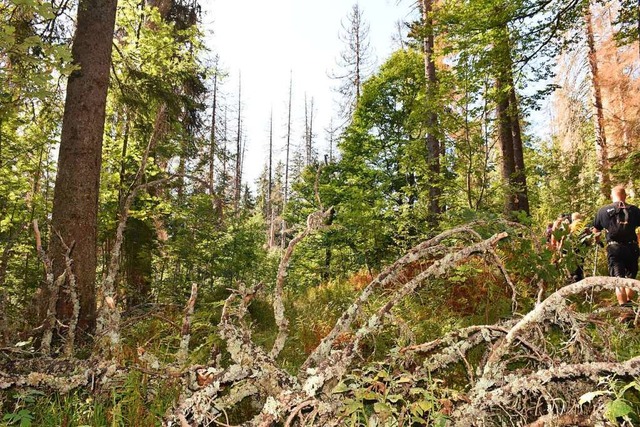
(432, 143)
(506, 147)
(237, 179)
(520, 177)
(75, 201)
(510, 133)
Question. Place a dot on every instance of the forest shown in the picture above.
(394, 269)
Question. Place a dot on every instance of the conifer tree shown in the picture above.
(75, 202)
(355, 61)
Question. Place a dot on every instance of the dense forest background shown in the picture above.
(138, 267)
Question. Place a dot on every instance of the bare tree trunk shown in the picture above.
(602, 148)
(270, 185)
(433, 149)
(510, 133)
(75, 202)
(520, 177)
(237, 180)
(310, 142)
(506, 146)
(212, 137)
(286, 168)
(183, 351)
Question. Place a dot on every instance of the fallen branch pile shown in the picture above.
(519, 379)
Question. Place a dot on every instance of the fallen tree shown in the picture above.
(520, 377)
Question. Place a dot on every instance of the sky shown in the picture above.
(267, 41)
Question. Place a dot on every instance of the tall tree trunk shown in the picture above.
(506, 145)
(310, 135)
(212, 137)
(602, 149)
(75, 201)
(433, 148)
(286, 167)
(509, 130)
(238, 179)
(269, 203)
(520, 178)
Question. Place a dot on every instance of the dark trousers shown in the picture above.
(623, 259)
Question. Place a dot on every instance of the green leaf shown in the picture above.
(352, 406)
(381, 408)
(341, 387)
(616, 409)
(393, 398)
(425, 405)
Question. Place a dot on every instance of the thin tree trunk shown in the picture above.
(520, 178)
(602, 149)
(270, 214)
(286, 167)
(75, 202)
(506, 146)
(433, 148)
(212, 137)
(310, 135)
(237, 181)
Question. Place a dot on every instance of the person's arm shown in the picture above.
(597, 228)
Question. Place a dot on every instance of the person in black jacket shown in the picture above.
(620, 220)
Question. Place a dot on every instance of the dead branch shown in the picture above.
(386, 277)
(73, 295)
(108, 319)
(453, 337)
(58, 375)
(315, 221)
(52, 287)
(336, 366)
(501, 394)
(186, 326)
(554, 304)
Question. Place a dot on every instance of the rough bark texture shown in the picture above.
(433, 148)
(509, 130)
(75, 201)
(506, 147)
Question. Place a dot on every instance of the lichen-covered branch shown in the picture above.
(186, 325)
(59, 375)
(108, 319)
(501, 393)
(385, 278)
(336, 366)
(52, 287)
(315, 221)
(553, 304)
(73, 295)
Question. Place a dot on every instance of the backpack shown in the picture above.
(619, 229)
